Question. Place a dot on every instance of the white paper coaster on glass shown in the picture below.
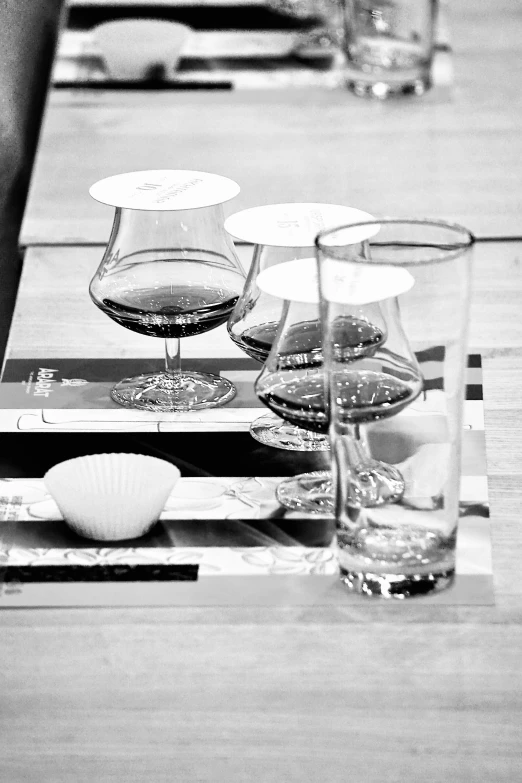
(292, 225)
(169, 189)
(295, 281)
(343, 282)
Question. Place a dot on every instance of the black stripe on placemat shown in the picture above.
(143, 86)
(216, 16)
(429, 384)
(434, 354)
(196, 454)
(102, 370)
(474, 391)
(472, 509)
(100, 573)
(438, 354)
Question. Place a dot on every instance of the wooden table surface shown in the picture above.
(454, 154)
(374, 691)
(62, 275)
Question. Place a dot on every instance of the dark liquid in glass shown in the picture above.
(354, 338)
(362, 396)
(170, 311)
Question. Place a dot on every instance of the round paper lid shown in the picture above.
(292, 225)
(343, 282)
(164, 190)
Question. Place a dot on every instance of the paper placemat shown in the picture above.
(219, 541)
(226, 541)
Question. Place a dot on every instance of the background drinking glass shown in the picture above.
(170, 270)
(325, 17)
(406, 545)
(388, 46)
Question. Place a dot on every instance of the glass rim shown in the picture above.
(454, 251)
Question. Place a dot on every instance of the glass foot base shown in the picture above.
(397, 586)
(377, 484)
(310, 493)
(158, 392)
(270, 430)
(383, 90)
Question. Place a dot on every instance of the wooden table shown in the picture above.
(454, 154)
(375, 691)
(417, 159)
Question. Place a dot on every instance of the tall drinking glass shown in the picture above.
(388, 46)
(408, 396)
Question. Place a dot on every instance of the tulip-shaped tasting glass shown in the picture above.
(408, 395)
(292, 380)
(281, 233)
(170, 270)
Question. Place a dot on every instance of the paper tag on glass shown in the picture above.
(343, 282)
(293, 225)
(163, 190)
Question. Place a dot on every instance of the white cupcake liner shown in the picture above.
(111, 497)
(131, 46)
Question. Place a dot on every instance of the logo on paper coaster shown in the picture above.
(293, 225)
(164, 190)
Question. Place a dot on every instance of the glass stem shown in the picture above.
(173, 361)
(357, 446)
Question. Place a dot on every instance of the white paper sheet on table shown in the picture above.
(115, 420)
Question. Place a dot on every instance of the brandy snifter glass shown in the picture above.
(292, 381)
(169, 271)
(280, 233)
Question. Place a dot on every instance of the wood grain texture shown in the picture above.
(416, 160)
(172, 701)
(62, 275)
(456, 156)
